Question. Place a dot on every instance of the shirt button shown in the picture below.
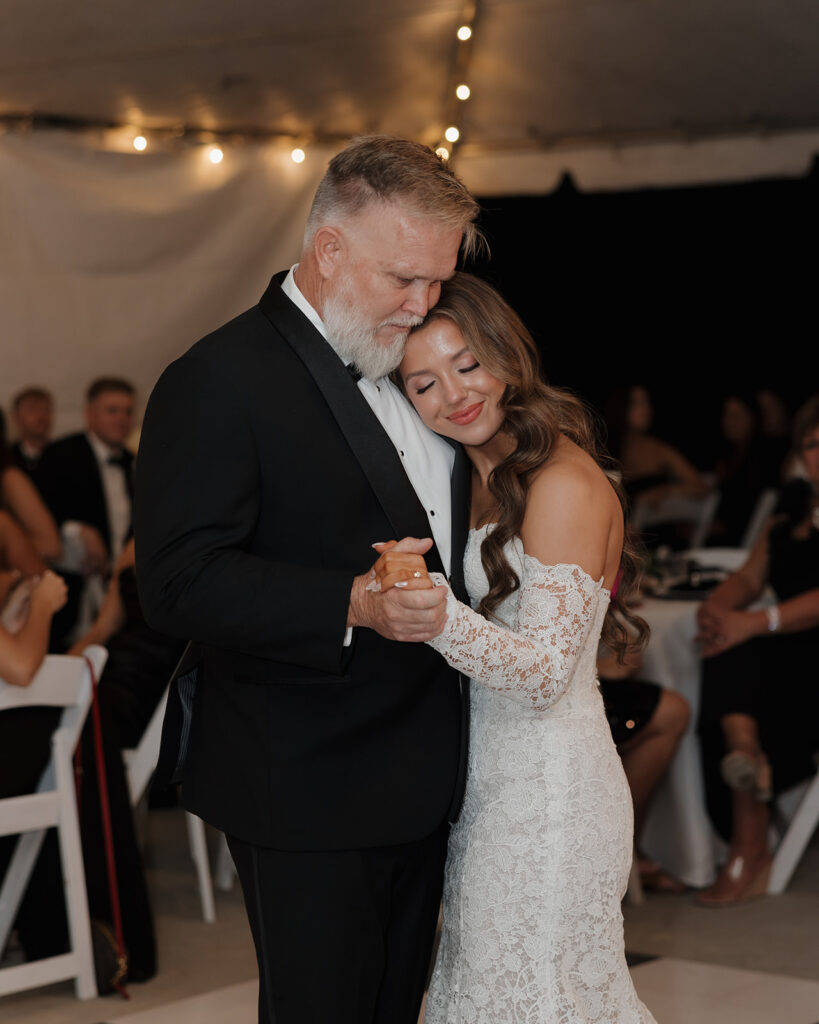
(432, 511)
(401, 454)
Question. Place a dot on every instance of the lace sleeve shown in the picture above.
(534, 665)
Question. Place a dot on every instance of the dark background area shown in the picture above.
(694, 292)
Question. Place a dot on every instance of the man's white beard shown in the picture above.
(355, 340)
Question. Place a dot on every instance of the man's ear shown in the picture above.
(330, 251)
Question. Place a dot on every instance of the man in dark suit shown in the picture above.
(86, 479)
(33, 415)
(274, 453)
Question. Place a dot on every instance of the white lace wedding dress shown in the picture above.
(539, 859)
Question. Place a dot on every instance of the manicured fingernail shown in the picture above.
(401, 583)
(377, 543)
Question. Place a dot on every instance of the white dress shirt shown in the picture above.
(115, 489)
(427, 458)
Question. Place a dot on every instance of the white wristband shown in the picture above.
(773, 617)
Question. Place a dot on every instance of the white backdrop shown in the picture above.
(114, 263)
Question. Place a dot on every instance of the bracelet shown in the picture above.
(773, 617)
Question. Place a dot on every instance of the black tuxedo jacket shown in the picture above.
(263, 478)
(69, 480)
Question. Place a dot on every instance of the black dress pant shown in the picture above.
(342, 936)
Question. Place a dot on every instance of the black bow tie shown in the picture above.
(354, 372)
(120, 460)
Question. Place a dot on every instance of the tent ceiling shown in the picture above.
(542, 72)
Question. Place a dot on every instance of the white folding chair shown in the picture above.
(139, 766)
(764, 507)
(698, 512)
(797, 836)
(61, 681)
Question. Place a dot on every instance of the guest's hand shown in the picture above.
(50, 592)
(401, 566)
(734, 628)
(95, 550)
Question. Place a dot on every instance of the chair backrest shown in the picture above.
(61, 681)
(765, 505)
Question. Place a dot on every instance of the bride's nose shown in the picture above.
(454, 389)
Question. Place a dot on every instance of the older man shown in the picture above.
(274, 453)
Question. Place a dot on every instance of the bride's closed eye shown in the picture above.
(462, 369)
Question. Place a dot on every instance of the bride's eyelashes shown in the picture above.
(463, 369)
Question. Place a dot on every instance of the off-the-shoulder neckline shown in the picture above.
(556, 565)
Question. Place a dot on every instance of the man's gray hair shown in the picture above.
(392, 169)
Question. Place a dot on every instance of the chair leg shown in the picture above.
(76, 898)
(796, 839)
(199, 854)
(225, 868)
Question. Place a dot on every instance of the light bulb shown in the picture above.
(140, 143)
(442, 152)
(464, 33)
(462, 92)
(452, 134)
(297, 156)
(215, 155)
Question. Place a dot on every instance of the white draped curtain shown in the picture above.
(114, 263)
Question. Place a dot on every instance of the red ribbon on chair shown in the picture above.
(108, 833)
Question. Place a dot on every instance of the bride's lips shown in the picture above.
(467, 415)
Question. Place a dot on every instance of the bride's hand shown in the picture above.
(401, 564)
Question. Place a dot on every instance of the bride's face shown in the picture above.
(452, 393)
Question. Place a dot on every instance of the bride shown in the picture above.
(539, 859)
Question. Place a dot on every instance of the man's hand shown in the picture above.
(411, 614)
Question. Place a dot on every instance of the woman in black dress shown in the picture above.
(759, 698)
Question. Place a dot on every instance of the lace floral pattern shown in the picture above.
(539, 858)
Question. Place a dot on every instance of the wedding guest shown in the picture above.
(24, 751)
(746, 465)
(140, 663)
(21, 499)
(33, 416)
(759, 707)
(86, 481)
(647, 723)
(652, 470)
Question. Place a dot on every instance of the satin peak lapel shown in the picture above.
(360, 426)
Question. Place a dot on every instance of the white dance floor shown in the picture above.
(676, 992)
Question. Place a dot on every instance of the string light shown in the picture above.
(464, 33)
(140, 143)
(463, 92)
(215, 155)
(442, 152)
(297, 156)
(452, 134)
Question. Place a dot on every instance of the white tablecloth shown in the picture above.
(677, 831)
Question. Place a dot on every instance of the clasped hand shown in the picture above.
(397, 598)
(721, 628)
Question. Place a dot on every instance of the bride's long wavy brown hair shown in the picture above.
(536, 415)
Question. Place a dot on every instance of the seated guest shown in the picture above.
(647, 723)
(747, 464)
(759, 699)
(25, 735)
(140, 663)
(86, 481)
(652, 470)
(21, 499)
(33, 414)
